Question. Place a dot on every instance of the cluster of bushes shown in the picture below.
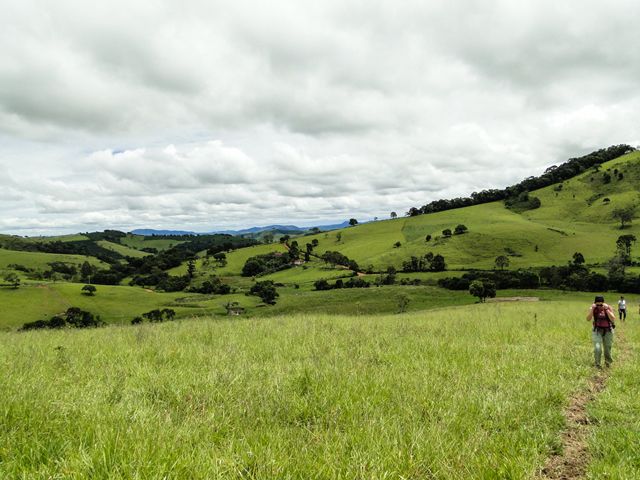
(573, 277)
(155, 316)
(565, 277)
(353, 282)
(428, 263)
(266, 291)
(501, 279)
(73, 317)
(337, 258)
(522, 202)
(265, 264)
(553, 174)
(459, 230)
(212, 286)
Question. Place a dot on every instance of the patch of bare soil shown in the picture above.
(514, 299)
(571, 463)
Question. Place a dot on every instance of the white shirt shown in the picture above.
(622, 305)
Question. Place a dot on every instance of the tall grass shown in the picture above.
(472, 392)
(616, 412)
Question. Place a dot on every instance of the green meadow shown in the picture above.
(574, 219)
(138, 242)
(40, 260)
(466, 392)
(123, 250)
(616, 414)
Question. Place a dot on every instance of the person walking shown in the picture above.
(603, 324)
(622, 308)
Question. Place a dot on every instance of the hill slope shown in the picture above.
(573, 218)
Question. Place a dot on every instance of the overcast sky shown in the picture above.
(205, 115)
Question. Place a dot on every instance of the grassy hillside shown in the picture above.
(40, 261)
(123, 250)
(114, 304)
(138, 242)
(307, 396)
(574, 219)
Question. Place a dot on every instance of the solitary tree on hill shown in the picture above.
(482, 289)
(624, 244)
(353, 222)
(89, 290)
(460, 229)
(624, 215)
(502, 262)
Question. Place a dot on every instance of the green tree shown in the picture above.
(353, 222)
(624, 215)
(460, 229)
(191, 268)
(482, 289)
(338, 237)
(86, 270)
(438, 264)
(446, 232)
(220, 258)
(89, 290)
(267, 238)
(266, 291)
(394, 215)
(624, 244)
(502, 262)
(578, 259)
(403, 302)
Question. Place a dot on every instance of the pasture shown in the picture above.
(472, 392)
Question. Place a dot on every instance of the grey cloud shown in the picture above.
(211, 113)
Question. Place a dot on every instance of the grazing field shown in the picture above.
(138, 242)
(574, 218)
(122, 249)
(40, 260)
(114, 304)
(473, 392)
(616, 413)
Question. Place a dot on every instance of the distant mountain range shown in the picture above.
(245, 231)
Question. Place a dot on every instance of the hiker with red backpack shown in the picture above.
(603, 324)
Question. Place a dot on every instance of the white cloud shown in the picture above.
(215, 114)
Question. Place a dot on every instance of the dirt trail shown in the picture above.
(572, 461)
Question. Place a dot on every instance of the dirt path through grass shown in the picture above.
(572, 460)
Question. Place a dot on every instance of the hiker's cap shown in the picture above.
(599, 299)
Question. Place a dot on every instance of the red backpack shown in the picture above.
(600, 317)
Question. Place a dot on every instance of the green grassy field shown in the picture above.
(122, 249)
(476, 392)
(616, 412)
(138, 242)
(40, 261)
(114, 304)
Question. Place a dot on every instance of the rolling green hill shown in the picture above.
(574, 219)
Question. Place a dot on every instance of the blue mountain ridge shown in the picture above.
(289, 228)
